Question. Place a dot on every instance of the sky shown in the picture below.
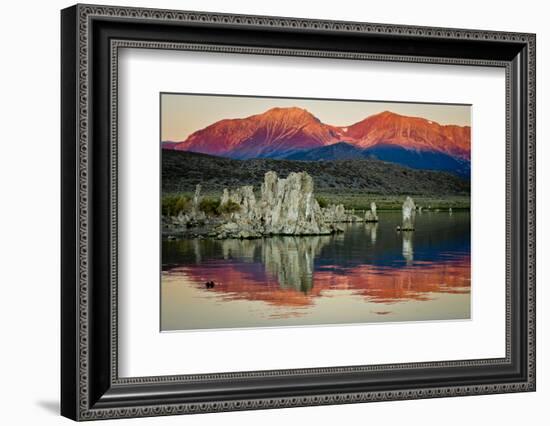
(183, 114)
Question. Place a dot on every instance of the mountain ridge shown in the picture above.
(275, 130)
(281, 132)
(411, 132)
(420, 160)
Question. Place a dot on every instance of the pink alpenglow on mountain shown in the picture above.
(412, 133)
(279, 132)
(272, 133)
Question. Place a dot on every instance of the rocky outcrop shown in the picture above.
(287, 206)
(244, 198)
(370, 215)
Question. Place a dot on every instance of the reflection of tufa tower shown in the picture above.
(290, 259)
(408, 251)
(244, 249)
(371, 229)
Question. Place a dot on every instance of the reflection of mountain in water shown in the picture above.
(371, 261)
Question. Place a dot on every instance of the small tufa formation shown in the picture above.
(182, 221)
(370, 215)
(409, 211)
(225, 198)
(196, 215)
(336, 213)
(197, 198)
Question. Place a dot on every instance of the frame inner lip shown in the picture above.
(115, 45)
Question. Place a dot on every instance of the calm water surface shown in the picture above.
(369, 273)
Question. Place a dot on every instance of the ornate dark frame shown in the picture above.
(91, 37)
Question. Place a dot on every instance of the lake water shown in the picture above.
(369, 273)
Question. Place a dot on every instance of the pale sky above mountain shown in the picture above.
(183, 114)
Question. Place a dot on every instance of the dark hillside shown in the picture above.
(181, 171)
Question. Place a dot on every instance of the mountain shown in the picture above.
(337, 151)
(412, 133)
(169, 144)
(290, 132)
(415, 159)
(273, 133)
(419, 159)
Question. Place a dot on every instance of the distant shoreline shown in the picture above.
(361, 201)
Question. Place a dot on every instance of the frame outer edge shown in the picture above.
(531, 201)
(69, 258)
(81, 318)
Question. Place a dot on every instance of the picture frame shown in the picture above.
(91, 37)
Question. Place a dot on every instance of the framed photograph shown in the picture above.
(263, 212)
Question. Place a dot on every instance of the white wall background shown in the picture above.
(29, 225)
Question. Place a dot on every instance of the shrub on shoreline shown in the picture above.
(229, 207)
(172, 205)
(210, 206)
(322, 202)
